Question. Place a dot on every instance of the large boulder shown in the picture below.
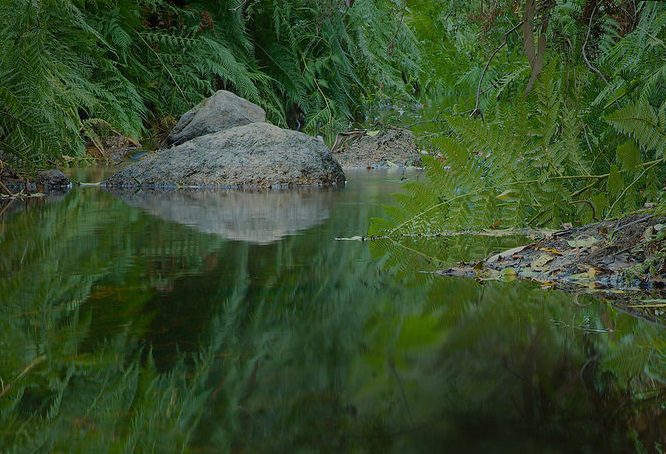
(223, 110)
(257, 155)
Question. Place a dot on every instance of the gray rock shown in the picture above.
(52, 180)
(223, 110)
(257, 155)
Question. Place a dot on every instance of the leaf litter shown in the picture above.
(624, 258)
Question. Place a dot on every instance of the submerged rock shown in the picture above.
(377, 149)
(223, 110)
(257, 155)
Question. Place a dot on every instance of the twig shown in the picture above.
(652, 164)
(634, 222)
(3, 187)
(437, 205)
(531, 233)
(162, 63)
(35, 362)
(580, 191)
(648, 166)
(6, 207)
(587, 37)
(647, 306)
(477, 111)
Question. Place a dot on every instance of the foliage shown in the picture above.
(73, 70)
(585, 144)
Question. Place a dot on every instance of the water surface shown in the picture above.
(232, 321)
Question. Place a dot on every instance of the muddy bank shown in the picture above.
(393, 147)
(617, 257)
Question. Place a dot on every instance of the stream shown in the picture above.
(235, 322)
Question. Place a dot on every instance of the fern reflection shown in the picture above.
(121, 331)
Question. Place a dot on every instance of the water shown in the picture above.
(234, 322)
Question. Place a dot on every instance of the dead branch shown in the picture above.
(587, 37)
(534, 56)
(477, 108)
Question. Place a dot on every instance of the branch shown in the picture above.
(477, 110)
(536, 62)
(528, 34)
(587, 37)
(488, 233)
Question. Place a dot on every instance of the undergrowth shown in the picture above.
(72, 70)
(586, 142)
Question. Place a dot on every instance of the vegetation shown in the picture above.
(73, 70)
(541, 113)
(124, 332)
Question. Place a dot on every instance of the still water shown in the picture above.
(234, 322)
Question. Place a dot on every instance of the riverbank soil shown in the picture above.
(393, 147)
(618, 256)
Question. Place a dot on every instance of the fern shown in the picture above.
(554, 156)
(644, 123)
(132, 64)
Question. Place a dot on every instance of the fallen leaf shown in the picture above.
(505, 254)
(540, 262)
(550, 250)
(583, 242)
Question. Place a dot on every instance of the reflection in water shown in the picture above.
(254, 217)
(122, 332)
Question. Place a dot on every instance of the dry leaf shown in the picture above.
(583, 242)
(505, 254)
(540, 262)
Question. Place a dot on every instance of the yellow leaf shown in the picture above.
(550, 250)
(509, 194)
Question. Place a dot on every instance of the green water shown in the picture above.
(234, 322)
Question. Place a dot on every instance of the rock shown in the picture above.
(368, 149)
(52, 180)
(118, 147)
(257, 155)
(223, 110)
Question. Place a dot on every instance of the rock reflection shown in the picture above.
(255, 217)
